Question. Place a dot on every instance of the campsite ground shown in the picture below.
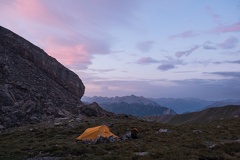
(213, 140)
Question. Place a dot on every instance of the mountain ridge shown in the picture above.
(133, 105)
(206, 115)
(128, 99)
(182, 105)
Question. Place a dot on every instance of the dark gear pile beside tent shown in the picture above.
(134, 132)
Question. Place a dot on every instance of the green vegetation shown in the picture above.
(212, 140)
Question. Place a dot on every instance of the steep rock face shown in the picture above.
(18, 46)
(34, 86)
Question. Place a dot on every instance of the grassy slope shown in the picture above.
(180, 143)
(206, 115)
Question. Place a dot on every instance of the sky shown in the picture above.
(150, 48)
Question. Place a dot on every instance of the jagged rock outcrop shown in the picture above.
(94, 110)
(34, 87)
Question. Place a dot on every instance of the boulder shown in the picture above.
(63, 113)
(163, 130)
(29, 107)
(5, 96)
(34, 119)
(93, 110)
(126, 136)
(2, 127)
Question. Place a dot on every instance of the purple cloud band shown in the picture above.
(187, 52)
(145, 46)
(229, 43)
(227, 74)
(147, 60)
(185, 34)
(165, 67)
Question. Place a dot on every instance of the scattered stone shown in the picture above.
(58, 124)
(196, 131)
(126, 136)
(58, 120)
(34, 119)
(235, 116)
(161, 130)
(28, 107)
(43, 158)
(61, 113)
(141, 153)
(212, 146)
(2, 127)
(219, 126)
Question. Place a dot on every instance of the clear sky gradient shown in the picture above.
(150, 48)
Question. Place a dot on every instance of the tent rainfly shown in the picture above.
(94, 132)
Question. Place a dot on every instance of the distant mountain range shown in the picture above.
(132, 105)
(178, 105)
(215, 113)
(183, 105)
(223, 103)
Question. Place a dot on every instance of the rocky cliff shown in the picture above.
(34, 86)
(14, 49)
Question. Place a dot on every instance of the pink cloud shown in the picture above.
(75, 52)
(35, 11)
(187, 52)
(227, 28)
(75, 57)
(185, 34)
(72, 32)
(50, 30)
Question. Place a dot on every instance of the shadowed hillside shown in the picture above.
(217, 113)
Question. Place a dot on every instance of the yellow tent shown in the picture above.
(94, 132)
